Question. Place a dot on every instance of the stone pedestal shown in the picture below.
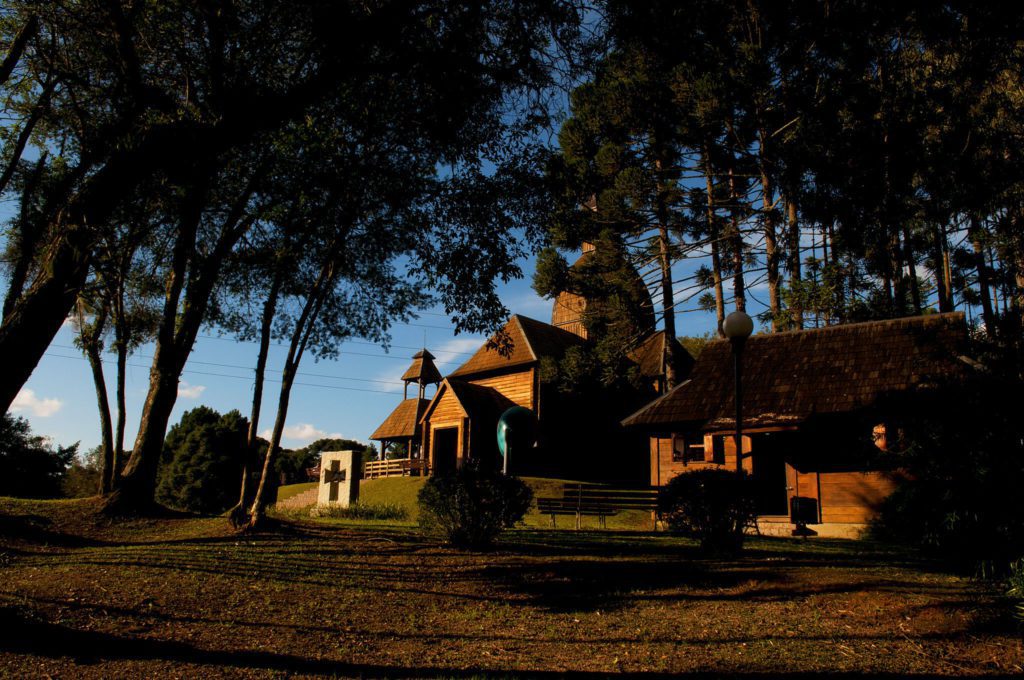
(339, 478)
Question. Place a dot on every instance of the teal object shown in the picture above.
(517, 429)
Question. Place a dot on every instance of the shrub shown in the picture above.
(384, 511)
(963, 455)
(471, 506)
(1015, 586)
(712, 506)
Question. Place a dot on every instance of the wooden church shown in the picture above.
(460, 421)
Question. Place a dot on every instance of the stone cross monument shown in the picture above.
(339, 478)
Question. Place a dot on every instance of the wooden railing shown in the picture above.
(372, 469)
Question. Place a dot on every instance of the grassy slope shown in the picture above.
(402, 491)
(185, 597)
(289, 490)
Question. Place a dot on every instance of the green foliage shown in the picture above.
(1015, 586)
(695, 344)
(30, 467)
(712, 506)
(964, 459)
(379, 511)
(83, 476)
(471, 506)
(292, 464)
(202, 461)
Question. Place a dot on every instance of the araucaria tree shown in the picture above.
(820, 163)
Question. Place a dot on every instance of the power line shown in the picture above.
(250, 368)
(237, 377)
(358, 342)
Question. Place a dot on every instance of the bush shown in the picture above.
(384, 511)
(713, 507)
(1015, 586)
(471, 506)
(965, 463)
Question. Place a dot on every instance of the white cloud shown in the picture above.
(457, 350)
(28, 401)
(190, 391)
(302, 433)
(530, 304)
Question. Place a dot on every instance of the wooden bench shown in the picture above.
(561, 506)
(597, 501)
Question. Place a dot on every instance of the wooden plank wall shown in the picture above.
(663, 468)
(854, 496)
(517, 386)
(447, 413)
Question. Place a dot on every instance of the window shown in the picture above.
(687, 449)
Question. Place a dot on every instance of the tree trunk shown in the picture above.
(300, 336)
(796, 309)
(121, 333)
(716, 258)
(738, 289)
(238, 514)
(17, 48)
(28, 236)
(36, 317)
(669, 358)
(176, 337)
(984, 285)
(771, 249)
(940, 257)
(909, 257)
(137, 486)
(90, 341)
(26, 132)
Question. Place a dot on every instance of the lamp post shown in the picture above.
(737, 327)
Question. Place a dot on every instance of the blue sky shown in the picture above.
(346, 397)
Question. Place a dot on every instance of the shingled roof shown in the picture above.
(422, 369)
(530, 340)
(650, 356)
(788, 377)
(403, 421)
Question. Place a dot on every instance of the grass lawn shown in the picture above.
(185, 597)
(402, 491)
(289, 490)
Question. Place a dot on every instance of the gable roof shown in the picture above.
(403, 421)
(787, 377)
(479, 402)
(530, 340)
(650, 356)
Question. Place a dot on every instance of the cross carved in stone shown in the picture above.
(334, 476)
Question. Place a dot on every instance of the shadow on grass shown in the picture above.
(56, 641)
(39, 530)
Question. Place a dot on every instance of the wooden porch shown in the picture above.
(402, 467)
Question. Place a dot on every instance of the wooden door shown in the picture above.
(445, 450)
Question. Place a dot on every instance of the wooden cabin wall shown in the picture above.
(517, 386)
(844, 495)
(664, 467)
(447, 413)
(853, 497)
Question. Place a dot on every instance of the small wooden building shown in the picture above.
(811, 404)
(402, 426)
(461, 420)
